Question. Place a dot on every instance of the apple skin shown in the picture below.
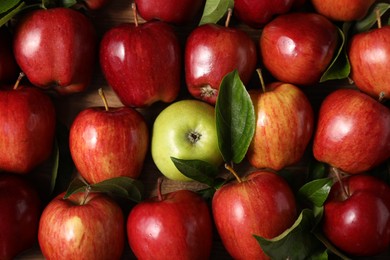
(343, 10)
(55, 48)
(27, 129)
(20, 213)
(177, 226)
(185, 130)
(211, 52)
(297, 48)
(257, 13)
(8, 67)
(360, 223)
(261, 204)
(353, 131)
(369, 54)
(71, 229)
(171, 11)
(142, 63)
(96, 4)
(107, 144)
(284, 126)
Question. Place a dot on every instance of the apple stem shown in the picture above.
(135, 15)
(101, 94)
(378, 18)
(229, 16)
(261, 79)
(337, 174)
(17, 83)
(381, 97)
(159, 184)
(232, 171)
(86, 194)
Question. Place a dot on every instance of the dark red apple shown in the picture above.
(96, 4)
(260, 204)
(84, 226)
(8, 67)
(357, 215)
(353, 131)
(297, 48)
(20, 212)
(343, 10)
(55, 48)
(176, 225)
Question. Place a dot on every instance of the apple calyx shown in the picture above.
(345, 192)
(262, 84)
(17, 83)
(232, 171)
(207, 91)
(194, 137)
(135, 14)
(103, 96)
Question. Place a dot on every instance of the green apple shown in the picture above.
(185, 130)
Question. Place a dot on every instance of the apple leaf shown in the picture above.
(330, 247)
(6, 6)
(317, 170)
(68, 3)
(9, 10)
(214, 10)
(371, 19)
(316, 191)
(235, 118)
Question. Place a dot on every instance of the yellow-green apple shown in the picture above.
(55, 48)
(297, 48)
(176, 225)
(284, 126)
(369, 54)
(20, 213)
(8, 67)
(357, 215)
(27, 129)
(108, 142)
(343, 10)
(353, 131)
(185, 130)
(262, 204)
(83, 226)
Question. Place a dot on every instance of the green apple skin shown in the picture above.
(185, 130)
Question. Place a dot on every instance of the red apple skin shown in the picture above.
(177, 227)
(257, 13)
(69, 229)
(369, 54)
(211, 52)
(55, 48)
(353, 131)
(343, 10)
(171, 11)
(284, 126)
(8, 67)
(27, 129)
(297, 48)
(96, 4)
(262, 204)
(20, 212)
(107, 144)
(360, 223)
(142, 63)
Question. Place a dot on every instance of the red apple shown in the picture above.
(369, 54)
(108, 142)
(357, 215)
(170, 11)
(297, 48)
(211, 52)
(284, 126)
(353, 131)
(84, 226)
(96, 4)
(142, 62)
(20, 211)
(257, 13)
(343, 10)
(260, 204)
(176, 225)
(27, 128)
(8, 67)
(55, 48)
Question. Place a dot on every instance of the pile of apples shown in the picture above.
(233, 129)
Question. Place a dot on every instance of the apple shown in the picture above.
(55, 48)
(83, 226)
(262, 204)
(28, 122)
(353, 131)
(357, 215)
(297, 48)
(20, 211)
(171, 11)
(368, 55)
(343, 10)
(95, 4)
(186, 129)
(142, 62)
(257, 13)
(211, 52)
(8, 67)
(284, 126)
(108, 142)
(176, 225)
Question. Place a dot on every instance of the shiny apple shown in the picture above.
(343, 10)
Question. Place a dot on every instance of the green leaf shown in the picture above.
(6, 16)
(76, 185)
(235, 118)
(329, 245)
(68, 3)
(316, 191)
(317, 170)
(371, 19)
(214, 10)
(7, 5)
